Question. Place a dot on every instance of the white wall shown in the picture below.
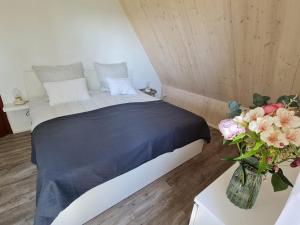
(36, 32)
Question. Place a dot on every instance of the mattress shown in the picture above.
(41, 111)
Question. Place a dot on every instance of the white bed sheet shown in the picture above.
(41, 111)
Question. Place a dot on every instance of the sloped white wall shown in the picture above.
(66, 31)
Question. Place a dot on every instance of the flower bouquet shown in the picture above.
(266, 136)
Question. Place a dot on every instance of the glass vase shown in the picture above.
(243, 191)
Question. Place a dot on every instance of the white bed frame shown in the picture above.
(106, 195)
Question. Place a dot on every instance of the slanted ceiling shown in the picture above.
(222, 49)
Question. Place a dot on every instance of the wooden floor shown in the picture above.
(166, 201)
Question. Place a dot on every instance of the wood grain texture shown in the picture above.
(222, 49)
(211, 109)
(168, 200)
(17, 180)
(266, 40)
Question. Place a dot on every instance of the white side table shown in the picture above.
(18, 117)
(213, 208)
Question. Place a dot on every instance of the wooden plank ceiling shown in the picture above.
(222, 49)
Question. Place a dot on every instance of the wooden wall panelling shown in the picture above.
(195, 56)
(288, 58)
(150, 40)
(247, 27)
(222, 49)
(211, 109)
(266, 40)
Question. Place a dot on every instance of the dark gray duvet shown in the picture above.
(78, 152)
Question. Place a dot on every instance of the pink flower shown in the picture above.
(230, 129)
(254, 114)
(293, 136)
(274, 138)
(296, 162)
(279, 105)
(261, 124)
(286, 119)
(269, 160)
(272, 108)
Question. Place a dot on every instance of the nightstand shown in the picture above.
(149, 91)
(18, 117)
(211, 206)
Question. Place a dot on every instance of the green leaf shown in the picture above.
(252, 152)
(234, 108)
(238, 139)
(240, 136)
(259, 100)
(234, 114)
(231, 159)
(233, 105)
(252, 161)
(262, 166)
(284, 178)
(253, 135)
(287, 99)
(244, 175)
(280, 182)
(226, 142)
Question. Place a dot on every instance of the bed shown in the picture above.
(143, 138)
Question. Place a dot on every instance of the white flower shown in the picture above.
(240, 120)
(286, 118)
(293, 136)
(274, 138)
(261, 124)
(254, 114)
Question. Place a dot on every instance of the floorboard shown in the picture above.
(169, 200)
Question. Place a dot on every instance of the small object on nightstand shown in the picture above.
(18, 117)
(18, 97)
(19, 101)
(149, 91)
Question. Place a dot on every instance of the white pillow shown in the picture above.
(120, 86)
(104, 71)
(66, 91)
